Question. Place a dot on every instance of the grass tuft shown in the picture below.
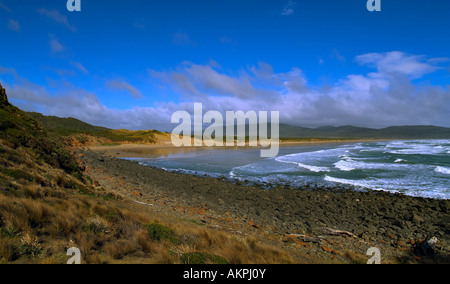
(160, 233)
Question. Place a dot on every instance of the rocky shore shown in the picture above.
(329, 220)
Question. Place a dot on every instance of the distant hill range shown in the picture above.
(70, 126)
(347, 132)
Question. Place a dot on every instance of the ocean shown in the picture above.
(419, 168)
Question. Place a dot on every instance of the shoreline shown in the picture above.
(395, 223)
(165, 149)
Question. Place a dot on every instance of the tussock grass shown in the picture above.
(46, 210)
(41, 230)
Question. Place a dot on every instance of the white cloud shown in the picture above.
(80, 67)
(377, 99)
(288, 10)
(124, 86)
(183, 40)
(13, 25)
(199, 81)
(58, 18)
(55, 45)
(401, 63)
(4, 7)
(227, 40)
(339, 56)
(84, 105)
(385, 97)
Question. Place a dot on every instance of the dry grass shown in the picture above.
(106, 233)
(49, 211)
(6, 250)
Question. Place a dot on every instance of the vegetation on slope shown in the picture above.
(65, 126)
(78, 132)
(20, 131)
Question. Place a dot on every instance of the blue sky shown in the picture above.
(131, 64)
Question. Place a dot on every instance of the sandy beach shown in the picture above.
(165, 148)
(318, 225)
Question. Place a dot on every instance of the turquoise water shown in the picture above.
(417, 168)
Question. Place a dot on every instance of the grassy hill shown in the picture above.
(65, 126)
(20, 131)
(81, 133)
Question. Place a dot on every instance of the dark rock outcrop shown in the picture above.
(3, 97)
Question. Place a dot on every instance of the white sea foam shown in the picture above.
(311, 168)
(351, 165)
(411, 187)
(418, 147)
(313, 161)
(379, 184)
(314, 168)
(345, 165)
(358, 183)
(442, 170)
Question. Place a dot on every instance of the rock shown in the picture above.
(3, 97)
(427, 248)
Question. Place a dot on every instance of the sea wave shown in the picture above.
(356, 183)
(345, 165)
(314, 168)
(348, 165)
(431, 147)
(442, 170)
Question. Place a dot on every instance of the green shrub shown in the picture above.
(159, 233)
(29, 247)
(18, 174)
(9, 231)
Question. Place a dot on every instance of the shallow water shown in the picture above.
(416, 168)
